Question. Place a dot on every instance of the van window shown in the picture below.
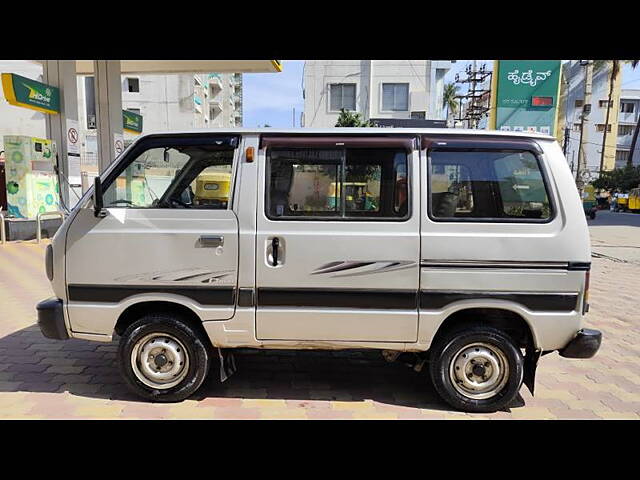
(337, 184)
(488, 185)
(181, 177)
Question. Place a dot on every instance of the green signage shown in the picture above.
(132, 122)
(27, 93)
(526, 95)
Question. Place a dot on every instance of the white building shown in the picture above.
(627, 121)
(166, 103)
(396, 89)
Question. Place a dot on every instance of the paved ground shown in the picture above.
(42, 378)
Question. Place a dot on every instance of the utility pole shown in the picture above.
(565, 145)
(477, 97)
(294, 118)
(584, 134)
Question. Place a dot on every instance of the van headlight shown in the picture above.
(48, 262)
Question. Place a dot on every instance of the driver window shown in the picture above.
(180, 177)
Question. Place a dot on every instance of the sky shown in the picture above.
(269, 98)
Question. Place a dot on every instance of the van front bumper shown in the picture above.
(51, 319)
(584, 345)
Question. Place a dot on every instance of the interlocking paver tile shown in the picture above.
(42, 378)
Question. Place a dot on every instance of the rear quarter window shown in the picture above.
(488, 185)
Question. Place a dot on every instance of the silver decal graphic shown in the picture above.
(350, 268)
(185, 275)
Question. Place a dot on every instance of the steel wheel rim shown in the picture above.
(479, 370)
(160, 360)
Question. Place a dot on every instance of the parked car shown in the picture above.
(473, 260)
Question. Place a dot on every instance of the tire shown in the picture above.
(164, 378)
(455, 352)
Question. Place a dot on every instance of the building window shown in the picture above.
(621, 157)
(395, 97)
(133, 85)
(603, 103)
(625, 129)
(343, 95)
(488, 185)
(576, 127)
(600, 127)
(627, 107)
(579, 103)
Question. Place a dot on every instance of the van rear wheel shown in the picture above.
(477, 369)
(162, 358)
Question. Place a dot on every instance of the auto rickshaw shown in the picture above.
(634, 200)
(620, 202)
(357, 197)
(589, 202)
(213, 189)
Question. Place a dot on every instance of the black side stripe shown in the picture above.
(342, 298)
(209, 296)
(571, 266)
(545, 302)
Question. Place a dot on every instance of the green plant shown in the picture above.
(352, 119)
(618, 180)
(449, 98)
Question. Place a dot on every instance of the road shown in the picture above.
(47, 379)
(616, 236)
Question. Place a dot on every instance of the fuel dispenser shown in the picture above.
(30, 176)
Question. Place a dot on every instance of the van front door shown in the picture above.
(337, 240)
(168, 234)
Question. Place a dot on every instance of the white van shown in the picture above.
(466, 251)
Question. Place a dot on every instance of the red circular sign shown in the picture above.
(73, 135)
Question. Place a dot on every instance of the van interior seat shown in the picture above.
(444, 204)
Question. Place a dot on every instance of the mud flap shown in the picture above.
(530, 364)
(227, 364)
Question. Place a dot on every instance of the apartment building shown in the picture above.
(571, 106)
(166, 103)
(384, 89)
(627, 121)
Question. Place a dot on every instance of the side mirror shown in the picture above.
(98, 204)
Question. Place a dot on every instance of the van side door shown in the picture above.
(337, 239)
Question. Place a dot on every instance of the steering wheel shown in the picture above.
(128, 202)
(180, 202)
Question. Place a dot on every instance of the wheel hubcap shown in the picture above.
(159, 360)
(479, 371)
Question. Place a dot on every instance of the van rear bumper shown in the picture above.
(584, 345)
(51, 319)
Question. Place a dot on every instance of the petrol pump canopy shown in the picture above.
(85, 67)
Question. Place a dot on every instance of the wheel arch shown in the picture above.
(503, 318)
(137, 310)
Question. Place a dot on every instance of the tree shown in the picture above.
(449, 98)
(352, 119)
(620, 179)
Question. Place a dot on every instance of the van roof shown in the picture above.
(356, 130)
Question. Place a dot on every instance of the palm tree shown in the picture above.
(449, 98)
(615, 71)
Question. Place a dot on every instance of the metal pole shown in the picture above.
(3, 233)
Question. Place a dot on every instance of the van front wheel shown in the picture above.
(163, 358)
(478, 369)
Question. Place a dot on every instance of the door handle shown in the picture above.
(275, 243)
(209, 241)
